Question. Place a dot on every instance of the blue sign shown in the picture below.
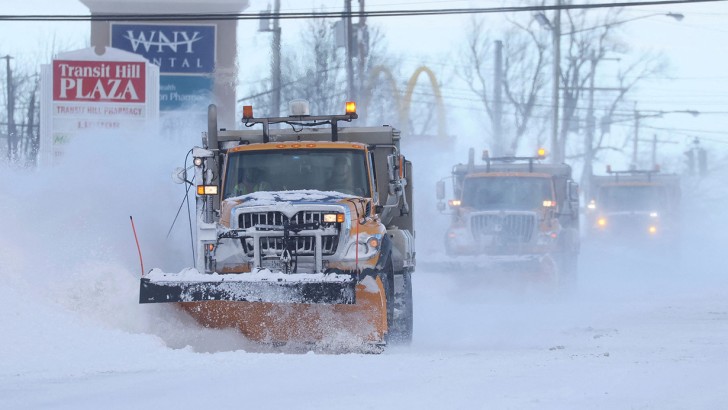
(180, 92)
(178, 49)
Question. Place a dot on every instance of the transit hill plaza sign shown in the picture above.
(112, 81)
(84, 91)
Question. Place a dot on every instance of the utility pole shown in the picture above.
(636, 137)
(498, 101)
(12, 131)
(34, 144)
(276, 63)
(349, 52)
(556, 150)
(362, 57)
(590, 123)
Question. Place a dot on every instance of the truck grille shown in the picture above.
(507, 228)
(271, 246)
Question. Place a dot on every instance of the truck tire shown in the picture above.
(387, 276)
(403, 323)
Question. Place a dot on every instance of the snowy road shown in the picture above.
(660, 342)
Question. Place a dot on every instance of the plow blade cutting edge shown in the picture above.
(272, 291)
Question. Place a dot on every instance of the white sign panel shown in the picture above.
(87, 92)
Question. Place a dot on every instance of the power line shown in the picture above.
(337, 14)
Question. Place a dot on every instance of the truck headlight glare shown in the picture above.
(206, 189)
(331, 218)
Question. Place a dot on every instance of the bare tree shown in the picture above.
(523, 79)
(588, 38)
(319, 70)
(591, 40)
(316, 70)
(20, 113)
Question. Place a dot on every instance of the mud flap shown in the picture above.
(335, 292)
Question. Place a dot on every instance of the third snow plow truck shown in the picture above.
(635, 205)
(304, 234)
(515, 212)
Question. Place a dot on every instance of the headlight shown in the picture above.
(206, 189)
(602, 222)
(653, 215)
(373, 242)
(331, 218)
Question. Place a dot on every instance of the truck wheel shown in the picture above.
(403, 310)
(387, 276)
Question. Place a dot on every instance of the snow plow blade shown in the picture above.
(297, 289)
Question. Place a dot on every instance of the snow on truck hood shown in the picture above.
(302, 196)
(285, 200)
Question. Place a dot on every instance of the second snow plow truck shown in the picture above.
(515, 212)
(303, 234)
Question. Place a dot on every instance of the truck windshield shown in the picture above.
(507, 193)
(338, 170)
(632, 198)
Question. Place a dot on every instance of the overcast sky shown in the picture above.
(696, 47)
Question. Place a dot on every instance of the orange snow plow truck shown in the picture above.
(304, 234)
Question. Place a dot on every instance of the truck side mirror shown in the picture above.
(179, 175)
(440, 190)
(573, 191)
(391, 166)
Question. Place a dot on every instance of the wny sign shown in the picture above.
(185, 55)
(176, 49)
(84, 92)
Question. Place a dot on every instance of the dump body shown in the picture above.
(293, 243)
(514, 210)
(634, 205)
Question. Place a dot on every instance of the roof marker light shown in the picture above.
(350, 107)
(247, 112)
(298, 108)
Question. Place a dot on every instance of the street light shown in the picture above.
(675, 16)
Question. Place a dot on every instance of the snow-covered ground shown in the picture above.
(643, 330)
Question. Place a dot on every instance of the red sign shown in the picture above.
(99, 81)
